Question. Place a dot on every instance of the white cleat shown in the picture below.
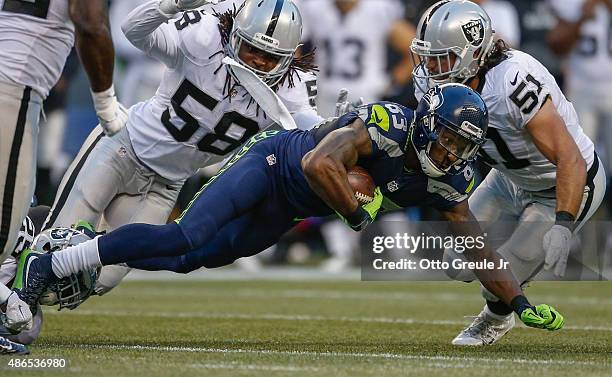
(484, 330)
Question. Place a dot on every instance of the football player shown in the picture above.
(546, 176)
(420, 157)
(36, 39)
(31, 226)
(199, 114)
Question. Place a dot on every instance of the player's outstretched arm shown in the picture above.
(95, 47)
(500, 281)
(562, 151)
(325, 168)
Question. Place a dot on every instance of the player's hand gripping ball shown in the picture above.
(362, 184)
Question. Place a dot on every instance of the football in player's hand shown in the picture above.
(362, 184)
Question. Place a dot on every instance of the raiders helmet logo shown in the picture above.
(474, 32)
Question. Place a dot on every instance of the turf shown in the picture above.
(299, 328)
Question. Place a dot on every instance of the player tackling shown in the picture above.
(546, 176)
(414, 157)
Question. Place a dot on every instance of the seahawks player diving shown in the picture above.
(297, 174)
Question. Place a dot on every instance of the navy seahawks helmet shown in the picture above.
(450, 125)
(71, 291)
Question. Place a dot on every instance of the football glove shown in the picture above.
(170, 7)
(343, 105)
(557, 243)
(542, 317)
(18, 316)
(366, 214)
(112, 115)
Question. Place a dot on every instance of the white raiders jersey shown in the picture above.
(514, 91)
(191, 122)
(37, 36)
(351, 50)
(590, 62)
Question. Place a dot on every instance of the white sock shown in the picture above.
(5, 292)
(73, 259)
(499, 317)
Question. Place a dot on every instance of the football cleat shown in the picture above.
(484, 330)
(11, 348)
(34, 275)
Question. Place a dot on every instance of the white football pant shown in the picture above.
(106, 184)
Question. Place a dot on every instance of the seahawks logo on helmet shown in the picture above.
(474, 32)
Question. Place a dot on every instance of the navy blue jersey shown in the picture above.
(389, 126)
(417, 189)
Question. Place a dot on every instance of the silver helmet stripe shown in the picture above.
(274, 19)
(426, 22)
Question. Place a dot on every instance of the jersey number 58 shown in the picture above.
(219, 142)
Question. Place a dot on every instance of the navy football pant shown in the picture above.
(238, 213)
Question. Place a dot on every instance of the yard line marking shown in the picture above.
(355, 295)
(390, 356)
(296, 317)
(240, 366)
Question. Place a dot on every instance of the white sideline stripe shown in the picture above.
(239, 366)
(390, 356)
(360, 295)
(295, 317)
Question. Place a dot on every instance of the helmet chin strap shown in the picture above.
(428, 167)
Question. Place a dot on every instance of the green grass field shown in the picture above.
(324, 328)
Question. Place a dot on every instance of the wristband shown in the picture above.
(519, 304)
(358, 217)
(105, 103)
(565, 219)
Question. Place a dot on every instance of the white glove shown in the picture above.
(18, 316)
(343, 106)
(112, 115)
(170, 7)
(557, 242)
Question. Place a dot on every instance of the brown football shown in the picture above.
(362, 184)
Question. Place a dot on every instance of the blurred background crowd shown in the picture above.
(364, 46)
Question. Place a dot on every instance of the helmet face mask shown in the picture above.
(453, 40)
(71, 291)
(274, 27)
(450, 126)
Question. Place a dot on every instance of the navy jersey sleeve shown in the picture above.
(448, 191)
(387, 124)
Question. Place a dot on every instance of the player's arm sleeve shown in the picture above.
(524, 92)
(147, 29)
(385, 126)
